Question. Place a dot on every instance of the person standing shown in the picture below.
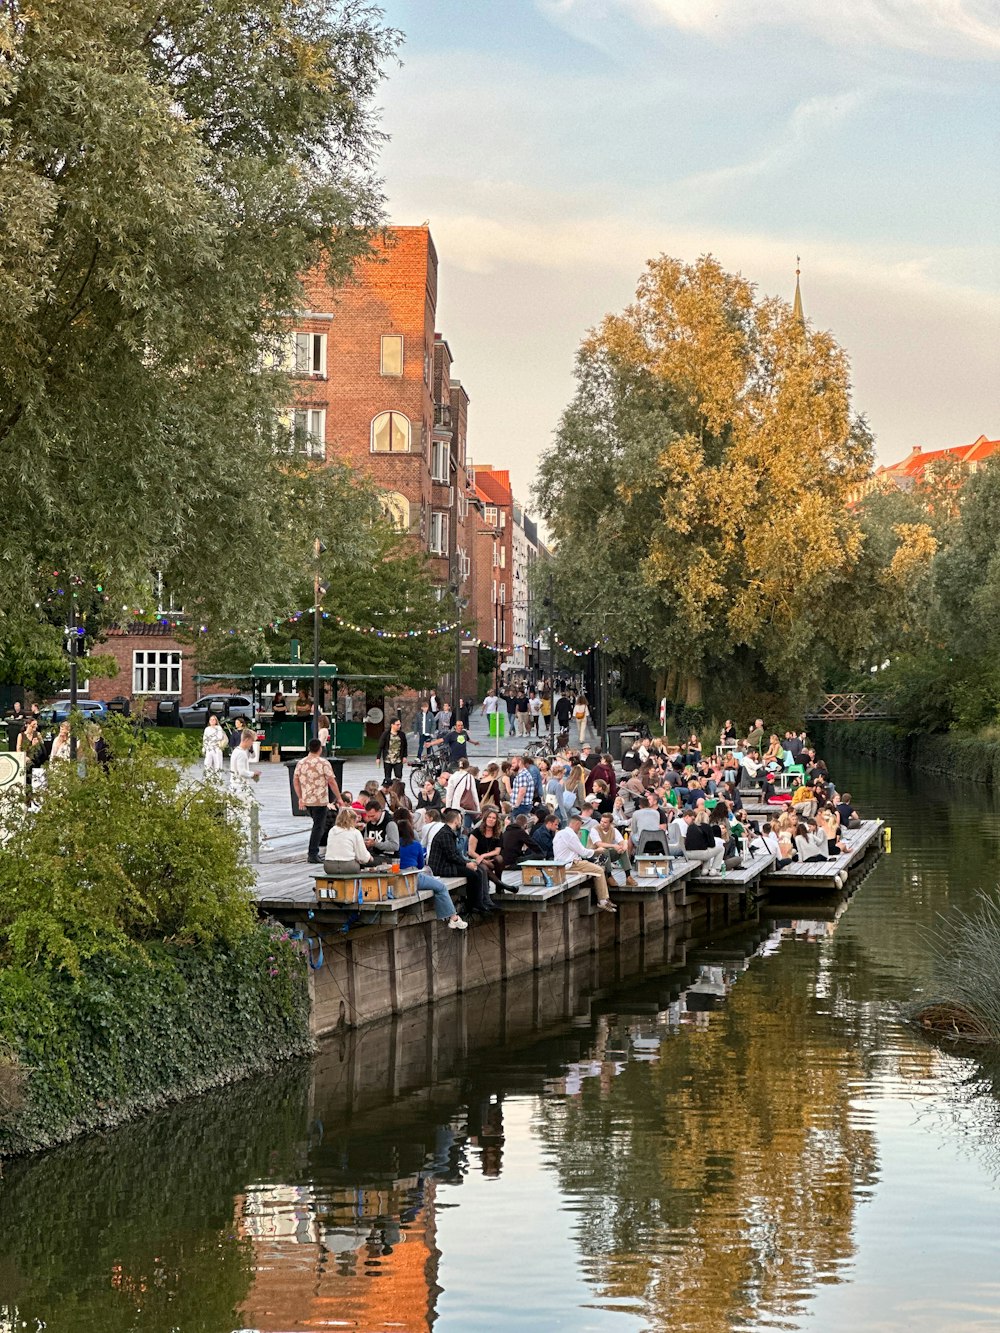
(434, 704)
(511, 700)
(279, 711)
(522, 713)
(581, 709)
(564, 711)
(491, 703)
(213, 741)
(312, 780)
(462, 714)
(455, 742)
(534, 712)
(424, 727)
(391, 752)
(241, 778)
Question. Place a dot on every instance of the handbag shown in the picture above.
(467, 801)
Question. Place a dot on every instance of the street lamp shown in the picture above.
(320, 589)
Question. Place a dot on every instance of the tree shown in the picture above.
(704, 468)
(377, 580)
(168, 169)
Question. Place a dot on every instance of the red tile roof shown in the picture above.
(914, 464)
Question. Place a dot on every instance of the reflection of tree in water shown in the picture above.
(136, 1230)
(719, 1183)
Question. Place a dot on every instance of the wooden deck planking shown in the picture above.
(825, 872)
(734, 881)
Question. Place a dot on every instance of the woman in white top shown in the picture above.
(345, 847)
(213, 741)
(62, 743)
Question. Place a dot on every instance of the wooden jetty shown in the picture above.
(375, 959)
(835, 871)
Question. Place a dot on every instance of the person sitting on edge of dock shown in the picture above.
(515, 844)
(446, 860)
(804, 800)
(569, 851)
(849, 817)
(610, 843)
(411, 857)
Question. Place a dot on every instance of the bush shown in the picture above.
(119, 856)
(967, 957)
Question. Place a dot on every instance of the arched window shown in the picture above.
(396, 508)
(391, 433)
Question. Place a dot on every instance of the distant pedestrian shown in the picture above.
(424, 727)
(213, 741)
(581, 711)
(242, 778)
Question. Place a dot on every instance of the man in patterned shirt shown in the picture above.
(312, 779)
(522, 792)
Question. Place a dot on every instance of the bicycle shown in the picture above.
(539, 749)
(427, 769)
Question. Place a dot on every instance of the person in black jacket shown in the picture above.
(391, 751)
(447, 862)
(515, 844)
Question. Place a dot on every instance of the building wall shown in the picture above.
(122, 644)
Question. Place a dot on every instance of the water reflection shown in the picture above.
(686, 1141)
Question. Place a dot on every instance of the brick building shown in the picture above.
(373, 387)
(911, 470)
(493, 567)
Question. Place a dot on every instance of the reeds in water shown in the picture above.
(967, 1007)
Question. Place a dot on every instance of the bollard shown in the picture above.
(254, 833)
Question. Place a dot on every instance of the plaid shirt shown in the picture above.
(523, 791)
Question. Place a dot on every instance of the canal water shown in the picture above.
(751, 1140)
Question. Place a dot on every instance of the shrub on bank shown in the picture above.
(973, 758)
(133, 969)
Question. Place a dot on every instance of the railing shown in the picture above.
(850, 708)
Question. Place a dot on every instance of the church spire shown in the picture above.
(797, 313)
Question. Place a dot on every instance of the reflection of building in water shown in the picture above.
(340, 1257)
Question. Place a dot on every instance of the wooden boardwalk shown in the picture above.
(832, 873)
(734, 881)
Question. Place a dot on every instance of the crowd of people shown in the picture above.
(581, 810)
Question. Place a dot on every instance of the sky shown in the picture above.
(554, 146)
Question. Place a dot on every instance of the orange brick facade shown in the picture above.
(374, 387)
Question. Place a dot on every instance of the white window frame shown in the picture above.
(386, 338)
(503, 594)
(309, 354)
(311, 422)
(438, 540)
(393, 418)
(157, 671)
(490, 516)
(503, 556)
(440, 461)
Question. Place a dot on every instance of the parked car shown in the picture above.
(223, 705)
(94, 710)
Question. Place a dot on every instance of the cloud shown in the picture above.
(949, 28)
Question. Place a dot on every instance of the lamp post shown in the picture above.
(320, 589)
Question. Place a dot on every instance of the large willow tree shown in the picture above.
(168, 169)
(697, 489)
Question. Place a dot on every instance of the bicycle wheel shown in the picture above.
(420, 774)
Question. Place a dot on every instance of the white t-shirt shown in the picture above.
(491, 703)
(534, 706)
(239, 764)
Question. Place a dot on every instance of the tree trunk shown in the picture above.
(692, 691)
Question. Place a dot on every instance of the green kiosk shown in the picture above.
(292, 734)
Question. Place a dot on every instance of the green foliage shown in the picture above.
(964, 758)
(173, 742)
(132, 1031)
(703, 468)
(168, 172)
(376, 578)
(119, 857)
